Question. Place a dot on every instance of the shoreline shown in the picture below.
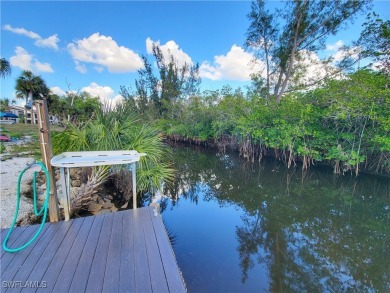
(234, 147)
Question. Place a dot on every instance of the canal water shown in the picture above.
(250, 227)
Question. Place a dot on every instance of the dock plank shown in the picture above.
(111, 276)
(8, 257)
(17, 262)
(142, 275)
(3, 233)
(126, 251)
(154, 258)
(15, 234)
(127, 267)
(172, 272)
(96, 275)
(80, 278)
(61, 269)
(45, 259)
(35, 252)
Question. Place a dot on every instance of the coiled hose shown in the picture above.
(36, 212)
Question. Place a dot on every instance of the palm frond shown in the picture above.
(120, 129)
(5, 67)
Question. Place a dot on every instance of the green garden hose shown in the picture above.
(36, 212)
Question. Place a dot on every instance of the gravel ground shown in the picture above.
(9, 171)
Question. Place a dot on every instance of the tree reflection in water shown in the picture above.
(313, 231)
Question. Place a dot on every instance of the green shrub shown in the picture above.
(2, 148)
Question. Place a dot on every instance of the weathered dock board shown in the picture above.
(127, 251)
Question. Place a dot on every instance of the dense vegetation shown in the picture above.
(340, 117)
(345, 123)
(119, 129)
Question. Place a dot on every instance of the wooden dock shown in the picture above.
(127, 251)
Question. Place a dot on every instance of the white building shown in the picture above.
(19, 111)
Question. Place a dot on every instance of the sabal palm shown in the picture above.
(4, 105)
(29, 85)
(120, 130)
(5, 67)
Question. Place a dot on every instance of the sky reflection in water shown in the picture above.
(243, 227)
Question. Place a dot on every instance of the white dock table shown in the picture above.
(90, 159)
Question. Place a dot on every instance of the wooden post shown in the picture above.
(45, 143)
(65, 193)
(133, 174)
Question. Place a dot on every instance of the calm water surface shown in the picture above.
(242, 227)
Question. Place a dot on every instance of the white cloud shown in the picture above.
(57, 91)
(235, 65)
(25, 61)
(21, 31)
(352, 53)
(168, 49)
(336, 46)
(43, 67)
(105, 93)
(376, 66)
(80, 67)
(309, 67)
(117, 100)
(209, 71)
(340, 51)
(310, 70)
(104, 51)
(149, 45)
(50, 42)
(22, 59)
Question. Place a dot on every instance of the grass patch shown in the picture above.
(16, 135)
(27, 149)
(2, 148)
(19, 130)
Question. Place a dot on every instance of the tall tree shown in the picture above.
(30, 87)
(173, 83)
(5, 103)
(5, 67)
(306, 26)
(375, 41)
(262, 34)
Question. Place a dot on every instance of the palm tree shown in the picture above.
(5, 67)
(117, 129)
(4, 104)
(30, 86)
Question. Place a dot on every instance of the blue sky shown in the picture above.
(96, 46)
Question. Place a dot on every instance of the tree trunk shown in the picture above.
(268, 73)
(32, 116)
(298, 20)
(25, 111)
(32, 109)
